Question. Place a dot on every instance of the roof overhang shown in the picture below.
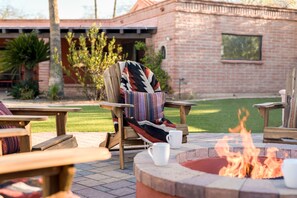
(117, 32)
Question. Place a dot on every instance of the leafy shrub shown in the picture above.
(27, 50)
(25, 90)
(89, 56)
(53, 92)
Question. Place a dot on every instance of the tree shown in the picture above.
(56, 72)
(123, 7)
(26, 51)
(10, 12)
(95, 6)
(89, 57)
(88, 12)
(114, 8)
(119, 8)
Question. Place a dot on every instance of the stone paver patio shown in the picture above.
(105, 179)
(102, 179)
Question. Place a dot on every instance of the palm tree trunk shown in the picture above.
(56, 73)
(95, 5)
(114, 8)
(28, 74)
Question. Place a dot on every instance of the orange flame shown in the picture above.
(247, 163)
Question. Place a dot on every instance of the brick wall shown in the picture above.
(194, 29)
(198, 48)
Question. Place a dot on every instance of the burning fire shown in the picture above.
(247, 163)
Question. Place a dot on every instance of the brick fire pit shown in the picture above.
(175, 180)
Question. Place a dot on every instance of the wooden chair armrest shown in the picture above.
(60, 113)
(44, 159)
(178, 104)
(41, 110)
(270, 105)
(111, 105)
(10, 132)
(20, 118)
(116, 108)
(264, 109)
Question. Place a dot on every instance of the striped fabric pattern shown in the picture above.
(140, 87)
(147, 106)
(137, 77)
(22, 187)
(10, 144)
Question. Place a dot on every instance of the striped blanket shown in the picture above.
(140, 88)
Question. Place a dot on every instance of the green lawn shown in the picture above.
(206, 116)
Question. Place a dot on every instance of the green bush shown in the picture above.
(25, 90)
(25, 51)
(89, 56)
(53, 92)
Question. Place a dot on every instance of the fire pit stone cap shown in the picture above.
(176, 180)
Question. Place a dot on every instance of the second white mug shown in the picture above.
(289, 169)
(175, 138)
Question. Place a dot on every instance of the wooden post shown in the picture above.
(58, 184)
(26, 140)
(61, 119)
(119, 113)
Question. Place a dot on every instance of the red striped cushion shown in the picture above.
(11, 144)
(147, 106)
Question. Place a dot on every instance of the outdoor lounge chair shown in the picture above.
(56, 168)
(22, 116)
(287, 133)
(126, 136)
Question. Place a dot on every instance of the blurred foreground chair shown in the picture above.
(22, 116)
(56, 168)
(125, 135)
(287, 133)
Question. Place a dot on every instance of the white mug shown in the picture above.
(289, 169)
(175, 138)
(160, 153)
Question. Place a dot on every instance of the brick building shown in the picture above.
(190, 33)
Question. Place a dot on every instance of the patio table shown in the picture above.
(59, 112)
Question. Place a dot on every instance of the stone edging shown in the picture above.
(176, 180)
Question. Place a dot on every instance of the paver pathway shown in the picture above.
(101, 179)
(104, 179)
